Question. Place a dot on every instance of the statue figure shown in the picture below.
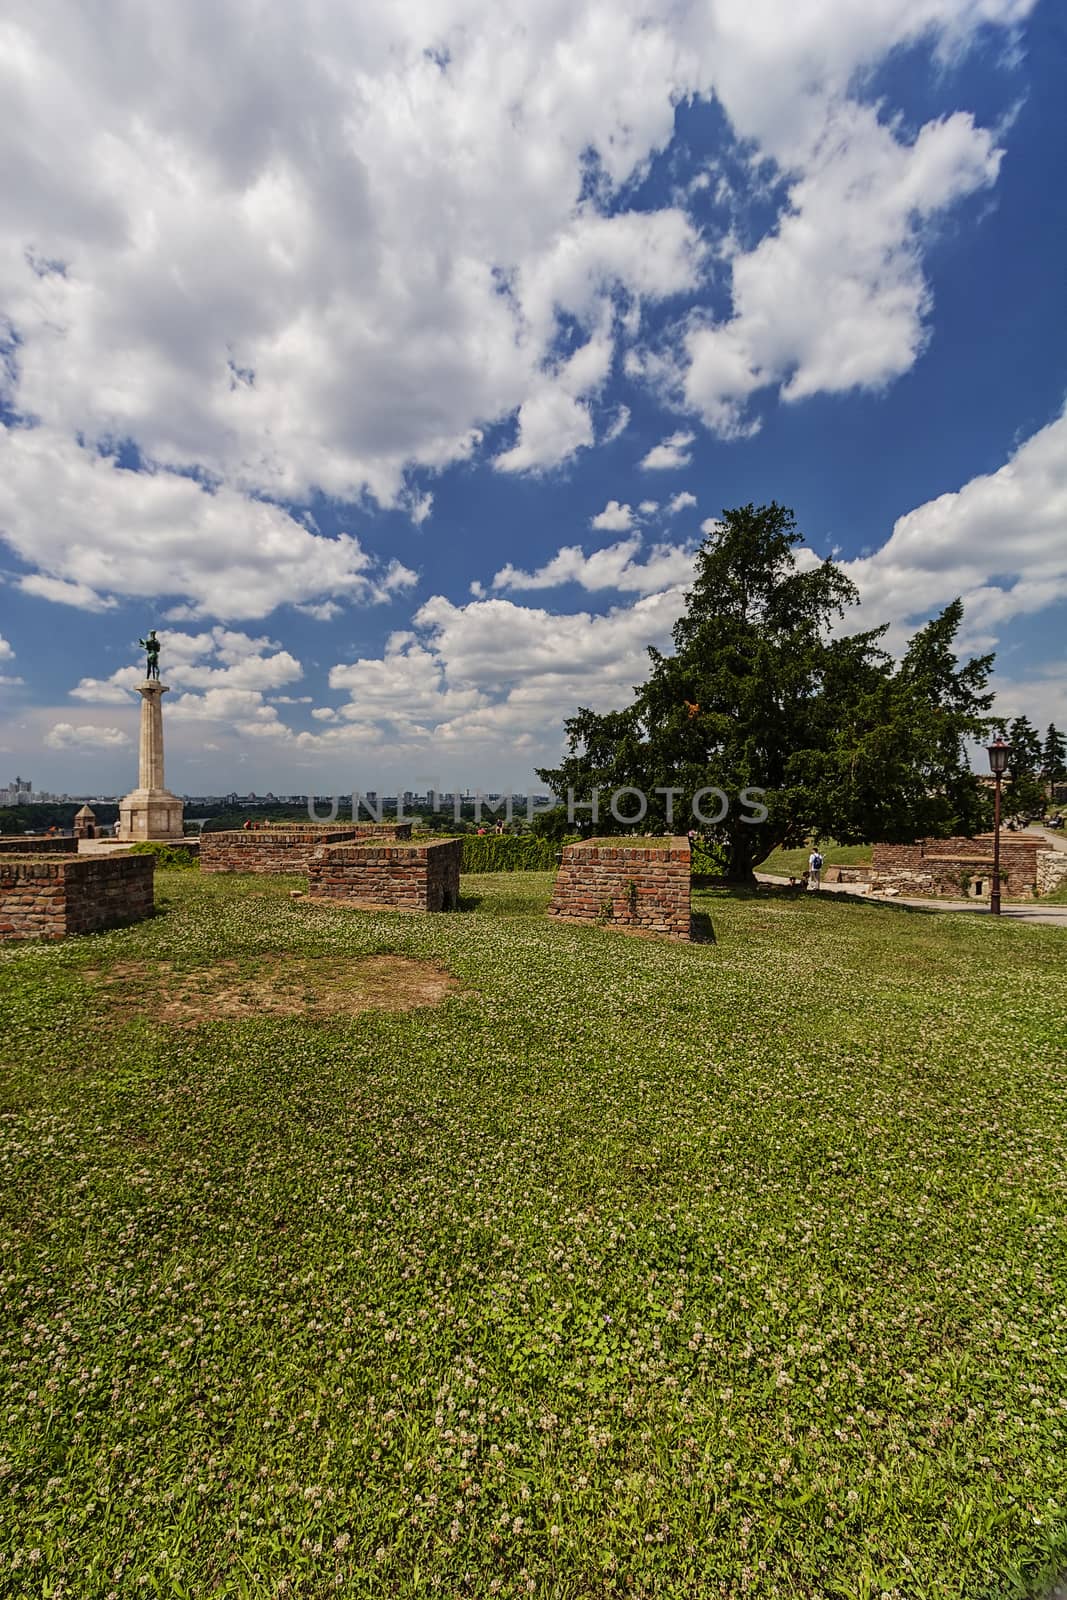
(151, 645)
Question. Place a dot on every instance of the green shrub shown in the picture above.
(167, 855)
(505, 852)
(527, 852)
(708, 859)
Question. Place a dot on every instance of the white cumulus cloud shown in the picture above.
(614, 518)
(835, 298)
(221, 675)
(680, 502)
(671, 453)
(613, 567)
(84, 736)
(1000, 542)
(327, 251)
(93, 528)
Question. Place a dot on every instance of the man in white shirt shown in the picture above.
(814, 869)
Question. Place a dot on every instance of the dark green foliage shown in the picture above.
(762, 693)
(1025, 744)
(554, 824)
(1054, 756)
(1024, 796)
(504, 852)
(45, 814)
(167, 855)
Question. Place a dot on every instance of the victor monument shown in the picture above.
(150, 811)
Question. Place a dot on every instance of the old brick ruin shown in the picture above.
(378, 872)
(625, 884)
(963, 868)
(47, 896)
(37, 844)
(286, 847)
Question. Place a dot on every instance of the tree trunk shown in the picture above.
(740, 858)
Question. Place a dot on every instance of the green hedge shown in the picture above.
(167, 855)
(503, 852)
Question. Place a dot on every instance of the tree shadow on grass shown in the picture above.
(717, 888)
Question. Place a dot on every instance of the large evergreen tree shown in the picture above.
(1054, 756)
(1025, 744)
(1026, 792)
(763, 691)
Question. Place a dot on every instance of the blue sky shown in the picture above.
(390, 361)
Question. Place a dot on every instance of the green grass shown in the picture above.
(791, 863)
(636, 1268)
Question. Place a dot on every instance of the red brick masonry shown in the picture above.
(289, 849)
(50, 897)
(954, 867)
(408, 877)
(40, 844)
(625, 885)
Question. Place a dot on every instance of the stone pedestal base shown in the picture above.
(151, 814)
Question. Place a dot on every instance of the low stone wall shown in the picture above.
(285, 849)
(858, 874)
(406, 877)
(959, 868)
(625, 885)
(51, 898)
(1051, 870)
(41, 844)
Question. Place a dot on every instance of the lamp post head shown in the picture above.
(999, 756)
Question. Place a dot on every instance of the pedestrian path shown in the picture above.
(1013, 911)
(1055, 838)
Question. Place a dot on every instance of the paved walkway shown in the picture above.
(1055, 837)
(1013, 910)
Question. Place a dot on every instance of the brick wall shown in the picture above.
(50, 898)
(39, 845)
(408, 877)
(285, 849)
(625, 885)
(941, 866)
(354, 830)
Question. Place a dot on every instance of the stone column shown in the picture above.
(151, 765)
(150, 811)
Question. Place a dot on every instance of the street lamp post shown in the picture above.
(999, 756)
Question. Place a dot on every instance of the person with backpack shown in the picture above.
(814, 869)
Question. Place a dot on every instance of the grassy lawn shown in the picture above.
(791, 863)
(608, 1267)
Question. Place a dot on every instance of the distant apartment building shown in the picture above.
(19, 792)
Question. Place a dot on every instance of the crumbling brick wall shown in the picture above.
(626, 884)
(49, 898)
(279, 848)
(40, 844)
(406, 877)
(950, 867)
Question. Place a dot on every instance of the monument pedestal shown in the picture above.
(150, 811)
(151, 814)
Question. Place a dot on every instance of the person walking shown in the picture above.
(814, 870)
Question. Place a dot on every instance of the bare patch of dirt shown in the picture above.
(279, 985)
